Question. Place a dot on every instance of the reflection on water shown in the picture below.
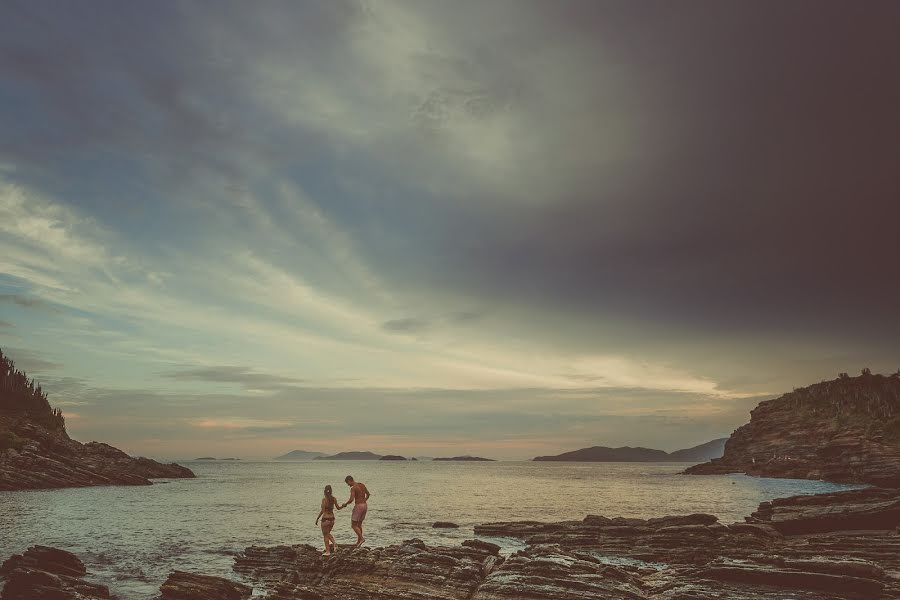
(132, 537)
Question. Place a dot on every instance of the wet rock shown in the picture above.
(863, 580)
(47, 573)
(408, 571)
(482, 545)
(872, 508)
(445, 525)
(188, 586)
(551, 573)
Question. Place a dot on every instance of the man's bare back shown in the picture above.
(359, 493)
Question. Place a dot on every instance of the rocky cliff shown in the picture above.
(37, 453)
(845, 430)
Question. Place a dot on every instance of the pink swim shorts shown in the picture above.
(359, 512)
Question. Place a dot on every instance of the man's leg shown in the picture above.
(355, 526)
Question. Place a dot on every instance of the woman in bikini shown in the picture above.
(327, 515)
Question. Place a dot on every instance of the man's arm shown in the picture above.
(366, 490)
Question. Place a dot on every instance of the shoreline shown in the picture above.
(843, 544)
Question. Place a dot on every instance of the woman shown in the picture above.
(329, 503)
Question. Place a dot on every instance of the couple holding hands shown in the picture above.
(359, 495)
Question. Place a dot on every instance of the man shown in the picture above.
(359, 495)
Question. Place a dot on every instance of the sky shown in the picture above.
(499, 228)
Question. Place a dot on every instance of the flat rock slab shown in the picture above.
(188, 586)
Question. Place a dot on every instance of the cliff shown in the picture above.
(845, 430)
(36, 452)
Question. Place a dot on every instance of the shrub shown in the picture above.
(8, 440)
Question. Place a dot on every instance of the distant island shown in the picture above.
(36, 452)
(707, 451)
(844, 430)
(465, 459)
(350, 456)
(299, 455)
(214, 458)
(393, 457)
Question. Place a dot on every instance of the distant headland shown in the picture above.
(703, 452)
(299, 455)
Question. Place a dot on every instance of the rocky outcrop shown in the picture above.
(37, 453)
(50, 459)
(392, 457)
(845, 430)
(47, 573)
(407, 571)
(866, 509)
(188, 586)
(844, 545)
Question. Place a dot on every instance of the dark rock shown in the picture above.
(406, 571)
(482, 545)
(872, 508)
(845, 430)
(551, 573)
(51, 459)
(43, 573)
(188, 586)
(445, 525)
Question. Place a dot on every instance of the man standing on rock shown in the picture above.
(359, 495)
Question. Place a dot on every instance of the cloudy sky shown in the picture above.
(503, 228)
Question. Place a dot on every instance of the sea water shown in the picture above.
(131, 538)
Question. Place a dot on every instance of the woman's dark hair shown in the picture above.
(328, 491)
(331, 499)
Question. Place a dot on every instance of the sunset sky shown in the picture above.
(503, 228)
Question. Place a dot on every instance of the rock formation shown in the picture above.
(845, 430)
(188, 586)
(844, 545)
(37, 453)
(48, 573)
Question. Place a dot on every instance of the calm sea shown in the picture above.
(132, 537)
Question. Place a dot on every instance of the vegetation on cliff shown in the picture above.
(846, 429)
(21, 396)
(36, 452)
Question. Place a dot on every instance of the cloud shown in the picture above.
(378, 200)
(31, 362)
(244, 376)
(409, 325)
(26, 302)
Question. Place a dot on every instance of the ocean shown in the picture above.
(130, 538)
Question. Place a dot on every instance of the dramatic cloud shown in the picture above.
(529, 224)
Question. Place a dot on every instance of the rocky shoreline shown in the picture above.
(50, 459)
(843, 545)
